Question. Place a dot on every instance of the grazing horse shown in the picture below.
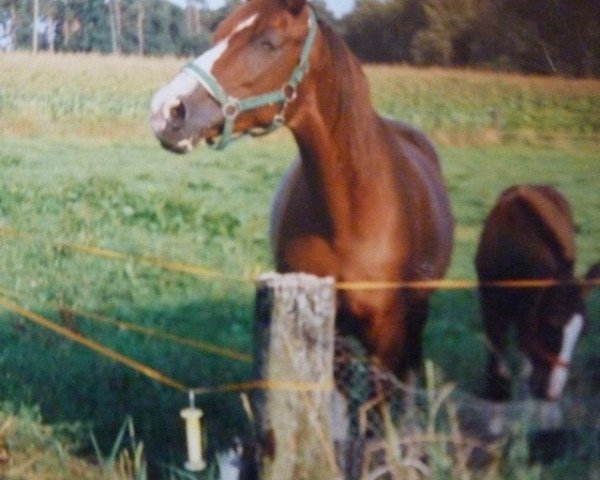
(529, 234)
(364, 200)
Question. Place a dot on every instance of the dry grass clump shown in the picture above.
(397, 433)
(31, 450)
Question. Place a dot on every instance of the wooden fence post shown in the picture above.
(294, 341)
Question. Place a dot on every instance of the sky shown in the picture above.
(340, 7)
(337, 7)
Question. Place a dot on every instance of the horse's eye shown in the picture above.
(269, 42)
(267, 45)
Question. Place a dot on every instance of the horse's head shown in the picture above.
(562, 318)
(244, 82)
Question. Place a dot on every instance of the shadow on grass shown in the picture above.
(73, 384)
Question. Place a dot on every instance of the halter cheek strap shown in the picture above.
(232, 106)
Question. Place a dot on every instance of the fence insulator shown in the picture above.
(192, 416)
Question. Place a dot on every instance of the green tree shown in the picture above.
(563, 35)
(382, 31)
(541, 36)
(447, 37)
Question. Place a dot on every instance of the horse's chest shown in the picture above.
(345, 259)
(310, 254)
(361, 241)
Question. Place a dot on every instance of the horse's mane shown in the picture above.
(353, 96)
(351, 86)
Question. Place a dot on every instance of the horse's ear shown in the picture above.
(294, 6)
(593, 278)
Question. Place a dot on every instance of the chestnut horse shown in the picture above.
(364, 201)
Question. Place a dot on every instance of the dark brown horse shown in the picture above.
(365, 198)
(529, 234)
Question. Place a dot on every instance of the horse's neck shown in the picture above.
(344, 144)
(347, 166)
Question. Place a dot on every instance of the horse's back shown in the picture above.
(419, 176)
(406, 132)
(529, 233)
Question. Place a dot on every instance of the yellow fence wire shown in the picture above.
(173, 266)
(203, 272)
(152, 332)
(91, 344)
(151, 372)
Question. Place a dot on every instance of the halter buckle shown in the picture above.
(231, 108)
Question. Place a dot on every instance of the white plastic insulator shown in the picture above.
(192, 417)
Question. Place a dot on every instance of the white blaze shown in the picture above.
(558, 376)
(185, 82)
(168, 96)
(207, 60)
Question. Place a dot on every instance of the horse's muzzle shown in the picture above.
(181, 121)
(168, 124)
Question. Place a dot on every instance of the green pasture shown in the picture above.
(78, 166)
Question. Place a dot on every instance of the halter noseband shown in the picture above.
(232, 106)
(549, 358)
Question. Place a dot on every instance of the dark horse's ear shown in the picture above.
(294, 6)
(593, 278)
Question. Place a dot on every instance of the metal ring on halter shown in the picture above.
(278, 119)
(231, 108)
(289, 92)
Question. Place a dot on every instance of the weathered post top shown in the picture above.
(294, 341)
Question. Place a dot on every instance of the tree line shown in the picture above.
(536, 36)
(149, 27)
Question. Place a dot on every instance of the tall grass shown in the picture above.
(74, 95)
(78, 164)
(462, 106)
(108, 97)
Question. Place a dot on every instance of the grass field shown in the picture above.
(78, 164)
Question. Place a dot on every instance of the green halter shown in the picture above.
(232, 106)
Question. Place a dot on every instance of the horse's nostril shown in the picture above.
(173, 113)
(177, 112)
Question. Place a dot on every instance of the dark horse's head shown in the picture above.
(244, 82)
(563, 311)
